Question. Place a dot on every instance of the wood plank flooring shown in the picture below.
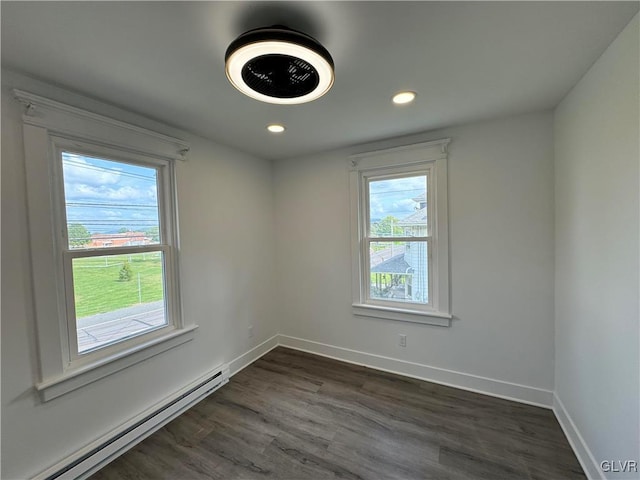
(292, 415)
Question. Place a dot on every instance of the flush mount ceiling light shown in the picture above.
(402, 98)
(279, 65)
(276, 128)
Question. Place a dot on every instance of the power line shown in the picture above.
(397, 191)
(113, 206)
(106, 169)
(148, 221)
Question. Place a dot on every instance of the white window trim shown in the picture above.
(48, 127)
(431, 156)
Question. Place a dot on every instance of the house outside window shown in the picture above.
(404, 275)
(399, 229)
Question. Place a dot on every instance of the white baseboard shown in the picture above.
(496, 388)
(111, 445)
(96, 455)
(252, 355)
(488, 386)
(580, 448)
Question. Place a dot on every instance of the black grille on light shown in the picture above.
(280, 76)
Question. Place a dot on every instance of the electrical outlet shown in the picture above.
(250, 331)
(403, 340)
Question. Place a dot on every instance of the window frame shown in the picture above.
(429, 159)
(386, 174)
(167, 246)
(50, 128)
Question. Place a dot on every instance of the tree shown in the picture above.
(123, 230)
(153, 233)
(79, 236)
(383, 227)
(126, 273)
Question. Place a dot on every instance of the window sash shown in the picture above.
(65, 254)
(163, 185)
(73, 356)
(365, 282)
(397, 239)
(390, 174)
(368, 176)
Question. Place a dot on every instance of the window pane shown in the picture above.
(398, 207)
(109, 203)
(399, 271)
(117, 297)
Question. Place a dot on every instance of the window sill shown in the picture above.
(86, 374)
(440, 319)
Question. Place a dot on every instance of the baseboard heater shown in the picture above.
(94, 457)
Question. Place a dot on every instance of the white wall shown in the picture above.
(227, 261)
(501, 209)
(596, 152)
(501, 236)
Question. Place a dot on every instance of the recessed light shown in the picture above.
(279, 65)
(275, 128)
(401, 98)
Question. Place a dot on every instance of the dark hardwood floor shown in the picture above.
(292, 415)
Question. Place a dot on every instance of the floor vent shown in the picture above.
(104, 450)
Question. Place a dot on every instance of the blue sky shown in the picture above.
(394, 196)
(105, 195)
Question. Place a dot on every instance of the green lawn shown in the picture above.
(98, 288)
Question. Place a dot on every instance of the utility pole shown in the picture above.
(392, 236)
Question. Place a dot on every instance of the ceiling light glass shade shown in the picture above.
(279, 65)
(275, 128)
(404, 97)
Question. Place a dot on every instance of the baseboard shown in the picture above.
(111, 445)
(488, 386)
(464, 381)
(579, 446)
(246, 359)
(99, 453)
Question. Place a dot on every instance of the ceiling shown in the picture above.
(467, 60)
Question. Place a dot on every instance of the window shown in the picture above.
(104, 238)
(400, 234)
(116, 250)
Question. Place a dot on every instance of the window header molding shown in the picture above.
(402, 155)
(72, 122)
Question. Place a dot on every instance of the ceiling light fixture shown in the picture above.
(402, 98)
(279, 65)
(276, 128)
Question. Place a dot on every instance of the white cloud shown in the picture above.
(106, 198)
(404, 205)
(103, 193)
(395, 196)
(78, 170)
(111, 213)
